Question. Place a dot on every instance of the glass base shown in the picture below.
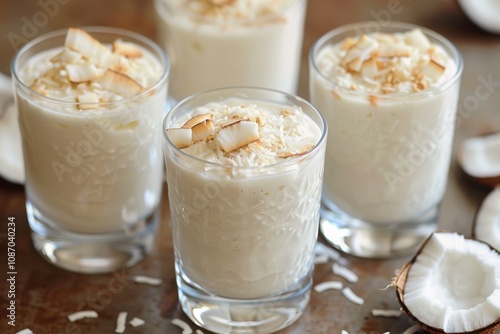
(380, 241)
(88, 253)
(231, 316)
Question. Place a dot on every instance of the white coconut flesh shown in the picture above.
(480, 156)
(487, 224)
(454, 284)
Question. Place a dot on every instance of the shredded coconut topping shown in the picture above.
(82, 315)
(381, 63)
(224, 10)
(86, 71)
(274, 133)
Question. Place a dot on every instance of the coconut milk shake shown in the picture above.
(245, 199)
(222, 43)
(92, 145)
(390, 102)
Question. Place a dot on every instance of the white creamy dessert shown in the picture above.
(390, 102)
(222, 43)
(92, 144)
(244, 194)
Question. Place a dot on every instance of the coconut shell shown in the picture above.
(399, 282)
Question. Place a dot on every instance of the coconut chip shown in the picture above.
(237, 135)
(341, 271)
(119, 83)
(82, 72)
(129, 50)
(360, 52)
(67, 56)
(352, 297)
(433, 70)
(186, 329)
(87, 100)
(136, 322)
(120, 322)
(80, 41)
(147, 280)
(82, 315)
(331, 285)
(180, 137)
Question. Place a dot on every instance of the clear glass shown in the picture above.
(93, 178)
(386, 162)
(244, 236)
(210, 52)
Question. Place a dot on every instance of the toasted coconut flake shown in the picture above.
(136, 322)
(182, 325)
(120, 322)
(352, 297)
(417, 39)
(360, 52)
(237, 135)
(195, 120)
(335, 94)
(82, 72)
(121, 65)
(180, 137)
(119, 83)
(89, 47)
(40, 88)
(82, 315)
(87, 100)
(202, 130)
(127, 49)
(433, 70)
(344, 272)
(331, 285)
(395, 50)
(147, 280)
(67, 56)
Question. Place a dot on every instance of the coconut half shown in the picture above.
(487, 223)
(479, 158)
(452, 285)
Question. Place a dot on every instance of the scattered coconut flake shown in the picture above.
(412, 330)
(82, 315)
(182, 325)
(352, 297)
(25, 331)
(127, 49)
(147, 280)
(80, 41)
(136, 322)
(87, 100)
(386, 313)
(82, 72)
(67, 56)
(360, 52)
(395, 50)
(321, 259)
(330, 285)
(344, 332)
(418, 39)
(344, 272)
(237, 135)
(119, 83)
(433, 70)
(120, 322)
(180, 137)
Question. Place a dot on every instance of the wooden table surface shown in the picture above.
(45, 295)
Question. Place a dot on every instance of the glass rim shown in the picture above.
(444, 42)
(160, 56)
(200, 18)
(290, 161)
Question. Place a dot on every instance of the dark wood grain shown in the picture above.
(45, 295)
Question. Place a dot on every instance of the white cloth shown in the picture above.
(11, 153)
